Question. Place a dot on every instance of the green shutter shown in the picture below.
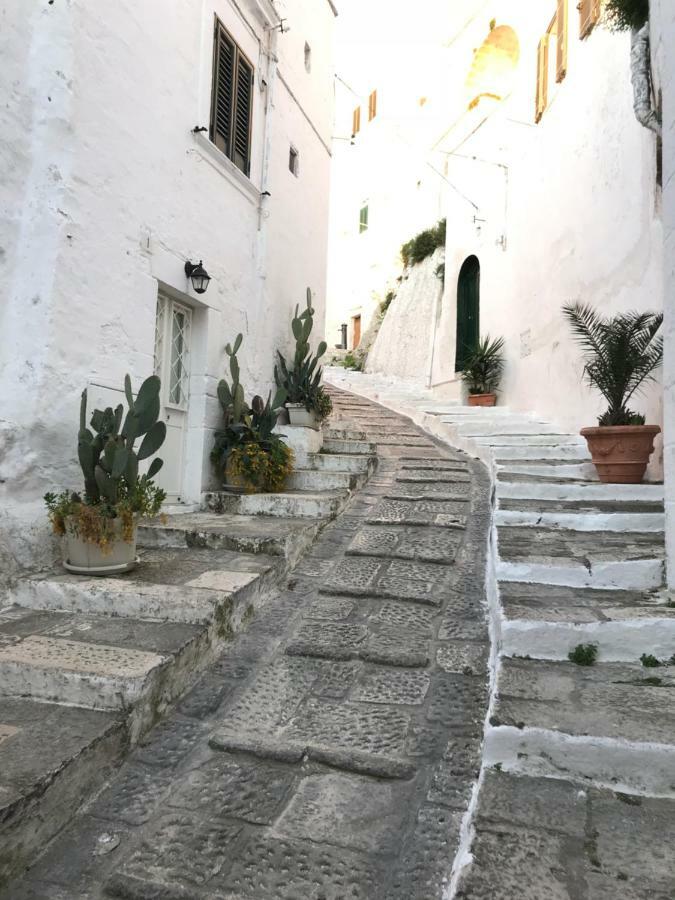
(468, 312)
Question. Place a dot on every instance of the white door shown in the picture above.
(172, 363)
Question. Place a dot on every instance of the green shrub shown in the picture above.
(624, 15)
(424, 244)
(649, 661)
(386, 303)
(352, 362)
(584, 654)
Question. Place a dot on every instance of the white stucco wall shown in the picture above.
(575, 203)
(109, 193)
(663, 61)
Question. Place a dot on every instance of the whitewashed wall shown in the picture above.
(108, 194)
(663, 61)
(574, 206)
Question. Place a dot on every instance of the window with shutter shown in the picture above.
(589, 16)
(372, 106)
(232, 100)
(561, 44)
(542, 77)
(363, 219)
(356, 120)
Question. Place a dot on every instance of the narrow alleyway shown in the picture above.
(332, 750)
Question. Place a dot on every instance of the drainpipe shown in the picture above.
(641, 77)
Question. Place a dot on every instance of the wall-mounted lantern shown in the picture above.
(198, 275)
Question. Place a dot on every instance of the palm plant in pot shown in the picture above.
(621, 353)
(246, 450)
(307, 401)
(483, 371)
(99, 525)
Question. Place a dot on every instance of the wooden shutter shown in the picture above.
(232, 100)
(372, 106)
(356, 120)
(223, 90)
(542, 77)
(589, 16)
(561, 45)
(241, 155)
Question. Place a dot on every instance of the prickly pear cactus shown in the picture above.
(106, 450)
(302, 380)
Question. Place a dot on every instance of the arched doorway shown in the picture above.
(468, 309)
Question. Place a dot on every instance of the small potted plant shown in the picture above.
(99, 526)
(622, 353)
(483, 371)
(301, 381)
(246, 451)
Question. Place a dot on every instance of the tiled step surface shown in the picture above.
(52, 757)
(286, 505)
(268, 535)
(349, 445)
(611, 723)
(557, 838)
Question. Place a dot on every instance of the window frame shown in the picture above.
(356, 121)
(294, 161)
(364, 223)
(372, 105)
(229, 152)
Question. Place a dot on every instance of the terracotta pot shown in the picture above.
(482, 399)
(621, 452)
(85, 558)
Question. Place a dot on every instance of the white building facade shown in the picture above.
(136, 138)
(552, 193)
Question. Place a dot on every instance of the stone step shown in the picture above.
(611, 723)
(195, 586)
(562, 472)
(342, 434)
(287, 538)
(497, 441)
(482, 428)
(302, 479)
(53, 758)
(652, 493)
(630, 561)
(588, 519)
(338, 445)
(592, 507)
(554, 834)
(536, 456)
(547, 621)
(99, 662)
(340, 462)
(286, 504)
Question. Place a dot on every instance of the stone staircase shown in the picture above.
(89, 665)
(572, 562)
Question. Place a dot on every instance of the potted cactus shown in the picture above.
(622, 353)
(307, 402)
(246, 450)
(99, 526)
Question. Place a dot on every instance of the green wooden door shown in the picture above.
(468, 304)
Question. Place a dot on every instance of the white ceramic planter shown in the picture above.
(300, 416)
(84, 558)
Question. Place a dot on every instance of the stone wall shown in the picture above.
(109, 192)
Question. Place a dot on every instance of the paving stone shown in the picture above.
(329, 608)
(352, 811)
(133, 796)
(507, 800)
(392, 686)
(418, 512)
(456, 626)
(206, 697)
(170, 742)
(273, 697)
(524, 865)
(181, 854)
(408, 615)
(289, 870)
(459, 702)
(426, 864)
(397, 646)
(463, 657)
(328, 640)
(335, 678)
(220, 786)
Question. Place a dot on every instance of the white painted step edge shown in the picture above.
(623, 640)
(541, 490)
(634, 574)
(626, 766)
(581, 521)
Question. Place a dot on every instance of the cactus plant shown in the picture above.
(244, 425)
(109, 462)
(302, 379)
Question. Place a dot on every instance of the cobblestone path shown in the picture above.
(331, 752)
